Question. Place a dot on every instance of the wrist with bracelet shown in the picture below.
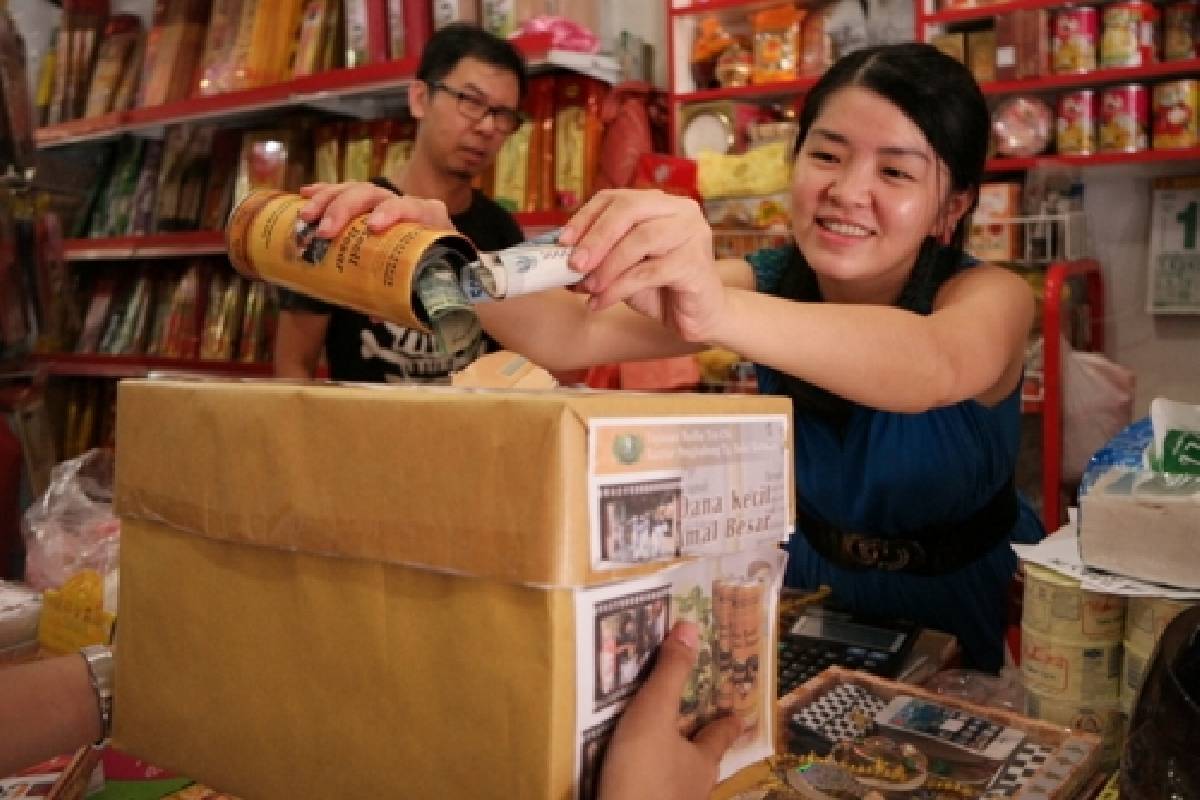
(99, 660)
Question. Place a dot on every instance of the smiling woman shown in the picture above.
(903, 357)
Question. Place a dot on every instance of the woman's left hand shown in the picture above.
(648, 757)
(654, 252)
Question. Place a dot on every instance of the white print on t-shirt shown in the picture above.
(412, 354)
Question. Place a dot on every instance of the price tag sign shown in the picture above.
(1174, 267)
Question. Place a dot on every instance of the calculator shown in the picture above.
(823, 637)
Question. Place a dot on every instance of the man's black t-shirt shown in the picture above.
(358, 349)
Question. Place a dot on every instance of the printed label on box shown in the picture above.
(619, 626)
(662, 488)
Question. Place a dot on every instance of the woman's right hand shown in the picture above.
(335, 204)
(652, 251)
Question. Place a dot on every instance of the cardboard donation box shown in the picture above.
(427, 592)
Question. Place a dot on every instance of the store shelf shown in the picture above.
(318, 89)
(1099, 159)
(986, 11)
(102, 366)
(713, 6)
(209, 243)
(163, 245)
(755, 90)
(542, 220)
(1099, 77)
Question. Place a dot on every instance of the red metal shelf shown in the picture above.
(1097, 77)
(160, 245)
(985, 11)
(799, 86)
(104, 366)
(1099, 159)
(711, 6)
(385, 76)
(542, 219)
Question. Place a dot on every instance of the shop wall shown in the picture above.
(1163, 350)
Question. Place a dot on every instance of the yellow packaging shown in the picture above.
(371, 274)
(1070, 670)
(760, 171)
(346, 591)
(1105, 719)
(1147, 618)
(1057, 607)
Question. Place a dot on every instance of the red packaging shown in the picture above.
(1130, 35)
(1075, 131)
(1179, 31)
(1175, 106)
(671, 174)
(1124, 117)
(1074, 39)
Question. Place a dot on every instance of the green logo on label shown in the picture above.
(628, 448)
(1182, 452)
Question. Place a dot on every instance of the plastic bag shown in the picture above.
(1097, 404)
(71, 527)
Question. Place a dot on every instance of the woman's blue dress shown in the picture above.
(892, 473)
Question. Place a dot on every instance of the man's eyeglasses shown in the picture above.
(475, 108)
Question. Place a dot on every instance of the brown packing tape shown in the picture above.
(492, 484)
(278, 675)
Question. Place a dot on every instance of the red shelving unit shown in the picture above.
(712, 6)
(784, 88)
(1098, 159)
(104, 366)
(1099, 77)
(1057, 275)
(160, 245)
(986, 11)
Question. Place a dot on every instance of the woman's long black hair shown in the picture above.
(943, 100)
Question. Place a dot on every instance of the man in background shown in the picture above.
(465, 99)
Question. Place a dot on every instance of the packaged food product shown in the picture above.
(1130, 34)
(1074, 39)
(1124, 119)
(1179, 30)
(777, 44)
(981, 55)
(711, 41)
(578, 127)
(1175, 106)
(1022, 126)
(1076, 125)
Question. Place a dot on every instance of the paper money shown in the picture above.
(514, 271)
(455, 326)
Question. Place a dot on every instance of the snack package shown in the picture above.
(777, 44)
(711, 41)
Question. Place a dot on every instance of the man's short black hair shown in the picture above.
(460, 40)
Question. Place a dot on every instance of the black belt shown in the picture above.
(933, 550)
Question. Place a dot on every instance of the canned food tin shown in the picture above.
(1175, 104)
(1179, 31)
(375, 275)
(1074, 34)
(1075, 130)
(1124, 119)
(1130, 35)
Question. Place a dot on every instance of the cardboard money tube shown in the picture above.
(372, 274)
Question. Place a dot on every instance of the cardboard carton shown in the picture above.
(393, 592)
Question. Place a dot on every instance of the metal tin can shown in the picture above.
(373, 274)
(1179, 31)
(1074, 33)
(1175, 106)
(1130, 35)
(1075, 129)
(1124, 119)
